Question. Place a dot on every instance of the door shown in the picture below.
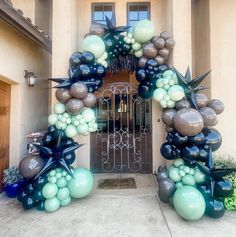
(5, 91)
(123, 142)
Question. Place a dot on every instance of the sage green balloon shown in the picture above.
(59, 108)
(66, 202)
(71, 131)
(63, 193)
(52, 204)
(176, 92)
(94, 44)
(49, 190)
(189, 203)
(88, 115)
(52, 119)
(200, 178)
(143, 31)
(174, 174)
(61, 182)
(159, 93)
(81, 184)
(82, 128)
(188, 180)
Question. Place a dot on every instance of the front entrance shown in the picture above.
(123, 142)
(5, 91)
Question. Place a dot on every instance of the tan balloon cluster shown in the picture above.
(76, 98)
(158, 49)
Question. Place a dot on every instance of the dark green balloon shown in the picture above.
(40, 206)
(29, 189)
(223, 188)
(40, 182)
(214, 208)
(21, 195)
(38, 196)
(28, 202)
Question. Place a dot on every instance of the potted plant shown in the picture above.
(13, 181)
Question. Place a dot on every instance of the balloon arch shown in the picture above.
(187, 113)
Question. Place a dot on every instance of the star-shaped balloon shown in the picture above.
(56, 156)
(191, 86)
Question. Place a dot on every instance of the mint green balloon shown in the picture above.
(179, 184)
(59, 108)
(71, 131)
(88, 115)
(52, 172)
(176, 92)
(52, 180)
(94, 44)
(174, 174)
(170, 104)
(200, 178)
(188, 180)
(168, 73)
(63, 193)
(60, 125)
(52, 204)
(178, 162)
(159, 93)
(52, 119)
(66, 202)
(143, 31)
(189, 203)
(82, 129)
(49, 190)
(81, 184)
(61, 182)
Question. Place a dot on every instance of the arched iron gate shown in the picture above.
(123, 142)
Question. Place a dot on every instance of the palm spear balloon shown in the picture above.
(191, 86)
(56, 156)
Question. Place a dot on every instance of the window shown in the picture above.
(101, 10)
(136, 12)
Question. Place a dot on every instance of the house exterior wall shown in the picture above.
(29, 105)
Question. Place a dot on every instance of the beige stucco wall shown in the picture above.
(29, 105)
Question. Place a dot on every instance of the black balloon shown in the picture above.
(162, 173)
(190, 151)
(140, 75)
(168, 151)
(28, 202)
(179, 139)
(166, 189)
(75, 60)
(223, 188)
(198, 139)
(213, 138)
(99, 71)
(87, 58)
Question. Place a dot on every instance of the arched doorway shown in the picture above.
(123, 142)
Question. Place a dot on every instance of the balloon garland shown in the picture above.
(187, 113)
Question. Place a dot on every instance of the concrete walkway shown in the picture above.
(111, 213)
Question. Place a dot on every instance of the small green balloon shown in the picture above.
(52, 204)
(63, 193)
(52, 172)
(59, 108)
(81, 184)
(159, 93)
(68, 177)
(60, 125)
(143, 31)
(58, 175)
(189, 203)
(178, 162)
(200, 178)
(64, 173)
(49, 190)
(174, 174)
(66, 202)
(61, 182)
(52, 180)
(179, 184)
(52, 119)
(176, 92)
(168, 73)
(188, 180)
(88, 115)
(71, 131)
(82, 129)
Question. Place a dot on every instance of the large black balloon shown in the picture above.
(179, 139)
(75, 60)
(213, 138)
(140, 75)
(190, 151)
(99, 71)
(151, 67)
(198, 139)
(145, 90)
(167, 151)
(87, 58)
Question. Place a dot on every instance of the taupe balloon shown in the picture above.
(158, 42)
(89, 100)
(149, 50)
(96, 29)
(201, 100)
(216, 105)
(168, 117)
(62, 95)
(182, 104)
(188, 122)
(79, 90)
(209, 116)
(170, 43)
(142, 61)
(160, 60)
(165, 35)
(166, 189)
(74, 106)
(164, 53)
(30, 166)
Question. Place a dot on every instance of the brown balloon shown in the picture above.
(181, 104)
(165, 35)
(149, 50)
(30, 166)
(188, 122)
(142, 61)
(201, 100)
(97, 29)
(158, 42)
(79, 90)
(90, 100)
(160, 60)
(170, 43)
(74, 106)
(209, 116)
(62, 95)
(164, 53)
(216, 105)
(168, 117)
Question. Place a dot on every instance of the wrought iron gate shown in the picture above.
(123, 142)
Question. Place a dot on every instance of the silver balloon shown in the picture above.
(166, 189)
(209, 116)
(182, 104)
(165, 35)
(164, 53)
(170, 43)
(216, 105)
(201, 100)
(168, 117)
